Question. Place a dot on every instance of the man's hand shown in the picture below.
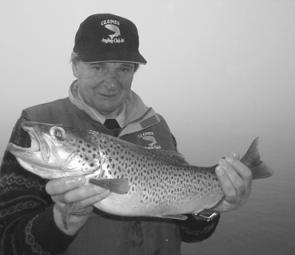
(236, 181)
(73, 201)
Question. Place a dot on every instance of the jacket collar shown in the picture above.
(134, 117)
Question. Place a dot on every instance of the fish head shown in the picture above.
(56, 151)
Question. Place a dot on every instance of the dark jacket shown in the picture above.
(26, 216)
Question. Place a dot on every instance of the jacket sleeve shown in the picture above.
(195, 230)
(26, 210)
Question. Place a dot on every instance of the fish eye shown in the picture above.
(58, 133)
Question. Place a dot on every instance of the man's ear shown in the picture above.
(75, 61)
(75, 68)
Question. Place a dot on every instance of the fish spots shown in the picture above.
(156, 180)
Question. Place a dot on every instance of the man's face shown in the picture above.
(104, 86)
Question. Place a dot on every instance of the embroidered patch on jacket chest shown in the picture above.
(148, 140)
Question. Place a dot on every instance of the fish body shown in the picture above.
(143, 182)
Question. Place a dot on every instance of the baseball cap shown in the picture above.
(108, 37)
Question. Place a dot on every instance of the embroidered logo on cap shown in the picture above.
(115, 33)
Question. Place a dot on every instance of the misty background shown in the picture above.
(220, 71)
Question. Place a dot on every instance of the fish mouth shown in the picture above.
(38, 143)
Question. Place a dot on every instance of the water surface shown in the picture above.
(264, 226)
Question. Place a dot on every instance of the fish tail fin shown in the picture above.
(252, 160)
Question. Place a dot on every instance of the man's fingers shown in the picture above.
(226, 184)
(240, 168)
(235, 155)
(79, 193)
(93, 199)
(83, 193)
(234, 174)
(235, 179)
(61, 185)
(80, 206)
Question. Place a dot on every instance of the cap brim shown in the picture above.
(106, 56)
(116, 60)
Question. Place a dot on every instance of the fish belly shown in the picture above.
(139, 204)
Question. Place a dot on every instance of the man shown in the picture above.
(32, 210)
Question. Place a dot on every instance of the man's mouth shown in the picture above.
(107, 95)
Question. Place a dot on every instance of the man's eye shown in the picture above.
(126, 69)
(98, 68)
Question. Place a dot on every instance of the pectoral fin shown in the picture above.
(119, 186)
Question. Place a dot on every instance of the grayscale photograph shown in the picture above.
(160, 127)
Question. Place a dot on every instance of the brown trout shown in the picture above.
(143, 182)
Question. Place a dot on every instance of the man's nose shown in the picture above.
(111, 80)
